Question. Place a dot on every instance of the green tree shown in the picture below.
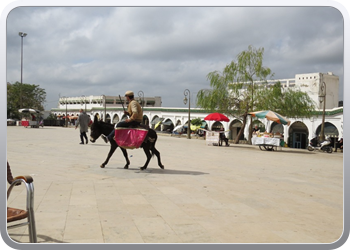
(51, 116)
(233, 90)
(196, 122)
(235, 93)
(22, 95)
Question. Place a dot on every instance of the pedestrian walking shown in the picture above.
(83, 122)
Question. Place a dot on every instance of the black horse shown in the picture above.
(100, 127)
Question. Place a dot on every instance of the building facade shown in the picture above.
(163, 119)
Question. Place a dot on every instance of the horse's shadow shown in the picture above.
(164, 171)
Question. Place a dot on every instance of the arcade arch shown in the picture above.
(217, 126)
(261, 125)
(330, 130)
(145, 120)
(116, 119)
(155, 123)
(277, 128)
(168, 125)
(235, 127)
(108, 118)
(298, 135)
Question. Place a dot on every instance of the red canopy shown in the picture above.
(216, 117)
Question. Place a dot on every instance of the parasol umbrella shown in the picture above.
(271, 115)
(179, 127)
(216, 117)
(156, 126)
(29, 111)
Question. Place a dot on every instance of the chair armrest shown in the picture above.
(28, 181)
(26, 178)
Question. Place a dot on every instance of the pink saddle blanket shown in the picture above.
(130, 138)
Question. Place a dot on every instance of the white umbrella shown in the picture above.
(178, 127)
(29, 111)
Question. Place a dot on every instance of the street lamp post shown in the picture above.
(322, 98)
(187, 93)
(83, 97)
(65, 119)
(104, 106)
(21, 34)
(142, 100)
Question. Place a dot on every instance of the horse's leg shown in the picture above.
(146, 149)
(125, 153)
(156, 152)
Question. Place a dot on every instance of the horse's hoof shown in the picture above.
(126, 167)
(102, 166)
(142, 168)
(162, 166)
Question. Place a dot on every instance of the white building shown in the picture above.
(297, 134)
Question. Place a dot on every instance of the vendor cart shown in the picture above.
(34, 123)
(268, 143)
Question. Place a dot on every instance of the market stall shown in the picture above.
(34, 122)
(213, 137)
(269, 141)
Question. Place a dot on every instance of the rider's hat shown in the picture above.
(129, 93)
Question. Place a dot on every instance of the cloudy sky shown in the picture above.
(75, 51)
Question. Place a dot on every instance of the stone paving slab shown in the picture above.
(205, 194)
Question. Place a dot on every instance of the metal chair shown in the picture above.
(17, 215)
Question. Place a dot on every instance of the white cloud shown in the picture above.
(162, 51)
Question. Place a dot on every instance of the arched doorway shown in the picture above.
(204, 125)
(168, 125)
(235, 127)
(277, 128)
(261, 125)
(124, 117)
(108, 118)
(155, 124)
(329, 131)
(298, 135)
(145, 120)
(115, 119)
(216, 126)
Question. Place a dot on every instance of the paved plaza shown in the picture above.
(205, 194)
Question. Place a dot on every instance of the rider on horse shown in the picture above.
(134, 112)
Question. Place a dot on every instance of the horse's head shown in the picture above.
(99, 127)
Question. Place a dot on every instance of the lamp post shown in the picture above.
(21, 34)
(322, 98)
(104, 106)
(188, 93)
(83, 97)
(65, 119)
(103, 99)
(142, 100)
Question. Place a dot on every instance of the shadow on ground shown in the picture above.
(164, 171)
